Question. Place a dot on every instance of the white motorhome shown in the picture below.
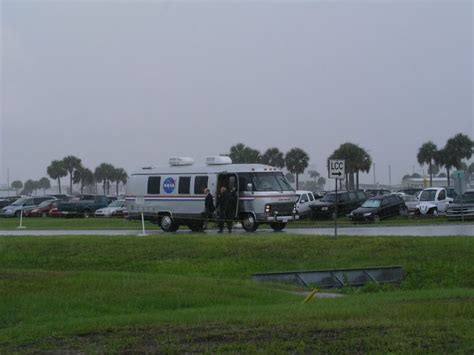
(174, 195)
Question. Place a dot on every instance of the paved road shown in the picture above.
(416, 231)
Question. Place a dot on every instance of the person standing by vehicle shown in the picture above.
(209, 208)
(223, 206)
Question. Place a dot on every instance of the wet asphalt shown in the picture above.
(406, 231)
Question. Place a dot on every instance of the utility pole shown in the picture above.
(8, 181)
(374, 174)
(389, 175)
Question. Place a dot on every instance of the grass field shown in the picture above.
(192, 293)
(121, 223)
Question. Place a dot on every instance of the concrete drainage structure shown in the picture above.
(336, 277)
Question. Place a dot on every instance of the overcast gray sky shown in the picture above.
(135, 82)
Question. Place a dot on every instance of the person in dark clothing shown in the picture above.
(209, 208)
(224, 210)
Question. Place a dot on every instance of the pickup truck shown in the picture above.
(85, 206)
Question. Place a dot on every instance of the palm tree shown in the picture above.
(460, 147)
(71, 163)
(273, 157)
(29, 187)
(119, 176)
(444, 158)
(456, 149)
(17, 185)
(313, 174)
(321, 182)
(56, 171)
(426, 155)
(104, 173)
(241, 154)
(296, 161)
(357, 160)
(44, 184)
(84, 177)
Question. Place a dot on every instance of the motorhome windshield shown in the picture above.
(270, 182)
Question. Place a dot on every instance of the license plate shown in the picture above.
(324, 209)
(285, 220)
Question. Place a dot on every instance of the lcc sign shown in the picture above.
(337, 169)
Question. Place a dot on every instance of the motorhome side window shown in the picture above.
(200, 182)
(154, 183)
(184, 184)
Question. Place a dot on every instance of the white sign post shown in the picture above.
(336, 171)
(140, 202)
(21, 226)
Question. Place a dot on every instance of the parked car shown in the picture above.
(411, 202)
(54, 212)
(112, 209)
(85, 205)
(22, 204)
(347, 201)
(451, 192)
(304, 202)
(433, 200)
(8, 200)
(377, 192)
(379, 207)
(411, 191)
(42, 210)
(467, 206)
(111, 199)
(61, 197)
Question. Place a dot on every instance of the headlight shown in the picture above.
(368, 214)
(268, 208)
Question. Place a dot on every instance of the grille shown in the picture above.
(282, 208)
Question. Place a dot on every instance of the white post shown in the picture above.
(143, 226)
(21, 226)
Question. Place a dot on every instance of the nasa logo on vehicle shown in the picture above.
(169, 185)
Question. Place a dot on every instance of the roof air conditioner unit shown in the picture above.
(219, 160)
(181, 161)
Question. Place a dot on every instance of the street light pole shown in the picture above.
(374, 173)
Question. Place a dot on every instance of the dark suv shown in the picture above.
(346, 202)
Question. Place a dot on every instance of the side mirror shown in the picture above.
(249, 187)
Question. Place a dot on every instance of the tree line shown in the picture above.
(71, 165)
(451, 156)
(296, 161)
(31, 186)
(105, 173)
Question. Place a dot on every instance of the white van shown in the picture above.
(433, 200)
(174, 195)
